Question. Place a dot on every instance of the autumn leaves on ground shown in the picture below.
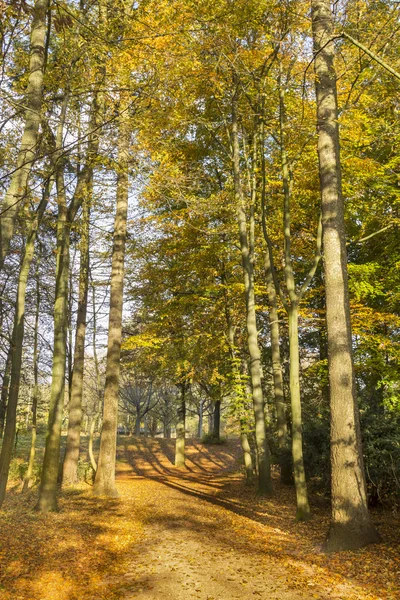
(192, 533)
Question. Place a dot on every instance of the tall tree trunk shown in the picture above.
(105, 475)
(283, 441)
(351, 526)
(17, 191)
(48, 486)
(85, 179)
(180, 429)
(35, 399)
(263, 457)
(200, 423)
(303, 507)
(70, 466)
(5, 389)
(17, 345)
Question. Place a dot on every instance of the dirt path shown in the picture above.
(190, 550)
(192, 534)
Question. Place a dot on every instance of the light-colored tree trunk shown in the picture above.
(105, 475)
(4, 390)
(17, 191)
(17, 345)
(303, 507)
(70, 466)
(48, 486)
(35, 399)
(283, 441)
(263, 457)
(200, 423)
(92, 429)
(351, 526)
(291, 305)
(180, 429)
(247, 458)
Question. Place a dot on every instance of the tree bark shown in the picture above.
(263, 458)
(17, 345)
(104, 484)
(217, 420)
(200, 423)
(16, 192)
(303, 507)
(4, 390)
(70, 466)
(283, 442)
(137, 425)
(48, 486)
(351, 526)
(247, 458)
(35, 399)
(180, 429)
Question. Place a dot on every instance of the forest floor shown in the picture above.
(197, 533)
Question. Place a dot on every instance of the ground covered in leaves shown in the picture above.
(196, 533)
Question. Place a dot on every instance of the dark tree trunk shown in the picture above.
(137, 425)
(217, 420)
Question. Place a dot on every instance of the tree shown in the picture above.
(104, 484)
(351, 526)
(17, 191)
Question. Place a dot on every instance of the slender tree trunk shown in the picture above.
(351, 526)
(17, 191)
(17, 345)
(70, 467)
(283, 441)
(303, 507)
(91, 438)
(48, 485)
(5, 389)
(70, 361)
(248, 460)
(32, 453)
(210, 422)
(200, 424)
(263, 458)
(85, 179)
(217, 420)
(105, 475)
(180, 429)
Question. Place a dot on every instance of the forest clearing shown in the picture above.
(199, 299)
(196, 533)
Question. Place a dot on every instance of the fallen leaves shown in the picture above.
(99, 549)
